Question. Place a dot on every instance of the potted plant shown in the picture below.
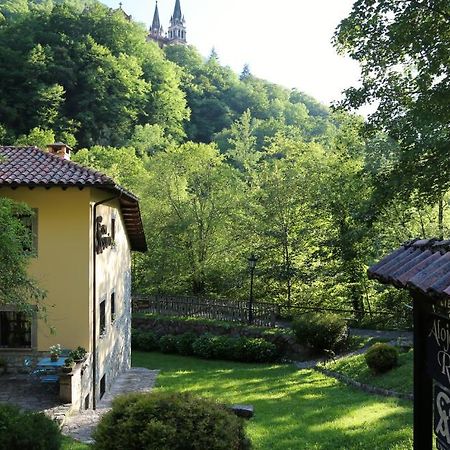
(55, 352)
(69, 364)
(78, 354)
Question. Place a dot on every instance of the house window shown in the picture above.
(30, 222)
(113, 230)
(103, 317)
(102, 386)
(15, 330)
(113, 306)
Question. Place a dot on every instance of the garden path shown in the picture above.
(82, 425)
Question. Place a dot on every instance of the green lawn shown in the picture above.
(399, 379)
(294, 409)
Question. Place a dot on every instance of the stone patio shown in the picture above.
(81, 426)
(28, 393)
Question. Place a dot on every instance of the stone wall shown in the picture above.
(21, 361)
(285, 341)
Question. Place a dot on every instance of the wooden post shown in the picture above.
(423, 384)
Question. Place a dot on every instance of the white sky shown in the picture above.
(284, 41)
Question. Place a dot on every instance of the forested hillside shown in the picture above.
(225, 164)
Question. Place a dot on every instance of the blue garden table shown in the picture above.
(47, 370)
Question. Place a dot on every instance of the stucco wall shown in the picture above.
(62, 263)
(113, 274)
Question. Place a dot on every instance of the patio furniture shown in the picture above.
(46, 370)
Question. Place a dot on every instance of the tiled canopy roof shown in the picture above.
(420, 265)
(31, 167)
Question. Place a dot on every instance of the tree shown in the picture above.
(91, 74)
(403, 50)
(194, 200)
(16, 287)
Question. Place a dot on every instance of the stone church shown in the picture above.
(176, 34)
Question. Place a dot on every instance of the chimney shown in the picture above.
(60, 149)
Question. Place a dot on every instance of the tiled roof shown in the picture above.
(31, 167)
(420, 265)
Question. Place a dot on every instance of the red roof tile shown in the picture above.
(421, 265)
(31, 167)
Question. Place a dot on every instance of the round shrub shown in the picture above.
(321, 331)
(165, 421)
(381, 357)
(27, 431)
(147, 341)
(257, 350)
(168, 344)
(184, 343)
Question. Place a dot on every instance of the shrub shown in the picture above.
(321, 331)
(165, 421)
(184, 343)
(147, 341)
(168, 344)
(235, 349)
(27, 431)
(381, 357)
(257, 350)
(135, 338)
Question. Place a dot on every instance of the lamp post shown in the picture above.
(251, 264)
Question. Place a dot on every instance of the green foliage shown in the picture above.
(89, 74)
(144, 340)
(235, 349)
(169, 421)
(16, 287)
(168, 343)
(27, 431)
(184, 343)
(408, 80)
(381, 357)
(321, 331)
(78, 354)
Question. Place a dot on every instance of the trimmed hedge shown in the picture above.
(209, 346)
(27, 431)
(167, 421)
(321, 331)
(381, 357)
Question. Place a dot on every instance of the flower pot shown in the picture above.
(54, 358)
(67, 369)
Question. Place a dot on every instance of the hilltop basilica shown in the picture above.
(176, 34)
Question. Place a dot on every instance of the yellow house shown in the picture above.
(84, 226)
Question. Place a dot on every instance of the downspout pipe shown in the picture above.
(94, 299)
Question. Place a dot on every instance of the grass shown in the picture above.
(293, 409)
(399, 379)
(70, 444)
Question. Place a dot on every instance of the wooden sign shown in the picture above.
(438, 350)
(441, 417)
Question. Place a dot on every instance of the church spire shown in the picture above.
(177, 11)
(156, 24)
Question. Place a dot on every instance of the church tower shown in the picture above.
(177, 29)
(156, 30)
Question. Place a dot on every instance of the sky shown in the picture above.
(284, 41)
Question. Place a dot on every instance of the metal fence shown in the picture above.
(264, 314)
